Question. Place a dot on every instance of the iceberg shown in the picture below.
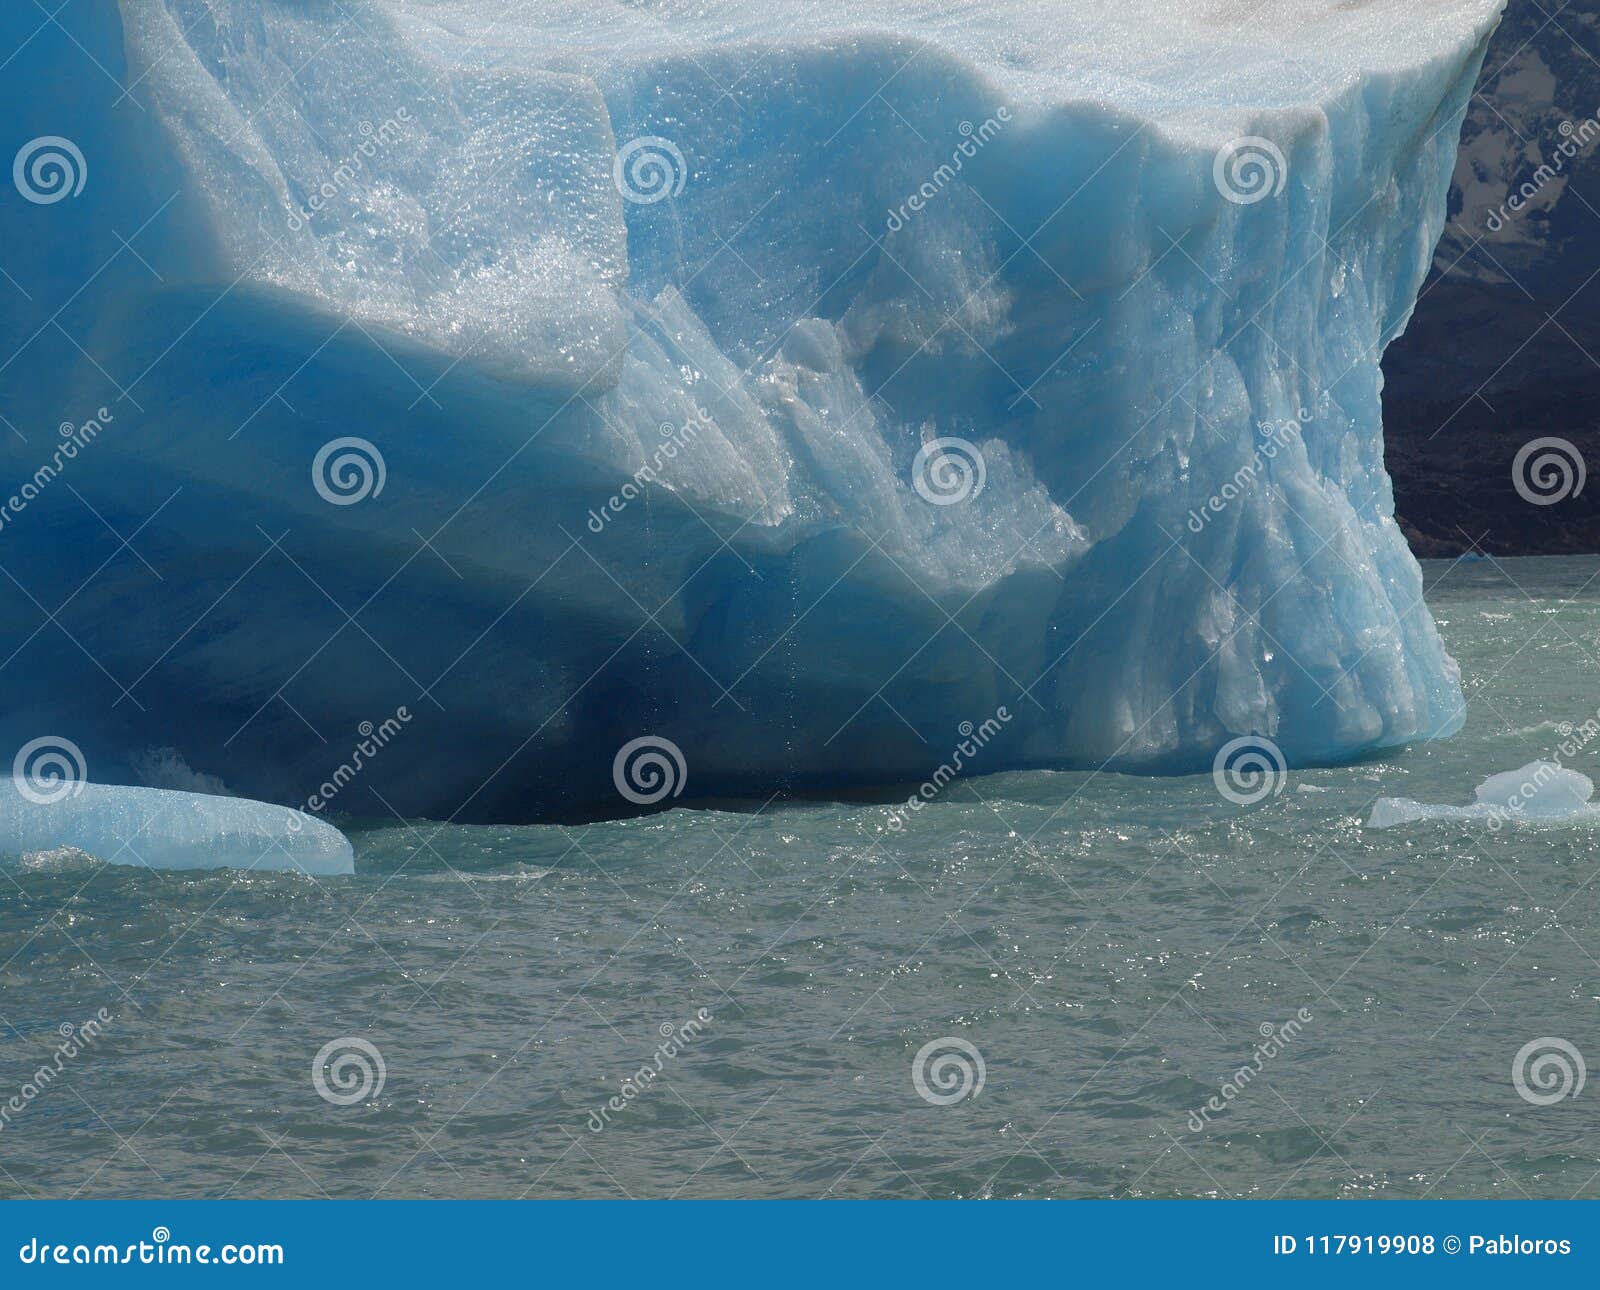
(1541, 792)
(797, 390)
(163, 829)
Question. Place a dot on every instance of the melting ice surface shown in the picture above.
(165, 830)
(521, 259)
(1539, 792)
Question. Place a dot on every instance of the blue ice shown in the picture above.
(798, 385)
(164, 829)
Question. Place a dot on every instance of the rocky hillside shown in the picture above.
(1504, 349)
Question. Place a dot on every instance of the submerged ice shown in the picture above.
(800, 390)
(163, 829)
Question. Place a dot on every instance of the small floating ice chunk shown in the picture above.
(1539, 788)
(1540, 791)
(162, 829)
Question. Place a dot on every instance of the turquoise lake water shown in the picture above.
(733, 1003)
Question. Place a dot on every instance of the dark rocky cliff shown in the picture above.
(1504, 348)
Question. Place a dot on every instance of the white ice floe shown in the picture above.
(1540, 792)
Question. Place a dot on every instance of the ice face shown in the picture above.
(1539, 792)
(161, 829)
(803, 390)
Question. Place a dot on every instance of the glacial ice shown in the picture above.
(162, 829)
(1541, 792)
(643, 321)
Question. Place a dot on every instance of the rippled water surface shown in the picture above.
(1113, 949)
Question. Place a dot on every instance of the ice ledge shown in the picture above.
(161, 829)
(461, 180)
(1161, 60)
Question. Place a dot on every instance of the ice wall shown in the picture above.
(801, 387)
